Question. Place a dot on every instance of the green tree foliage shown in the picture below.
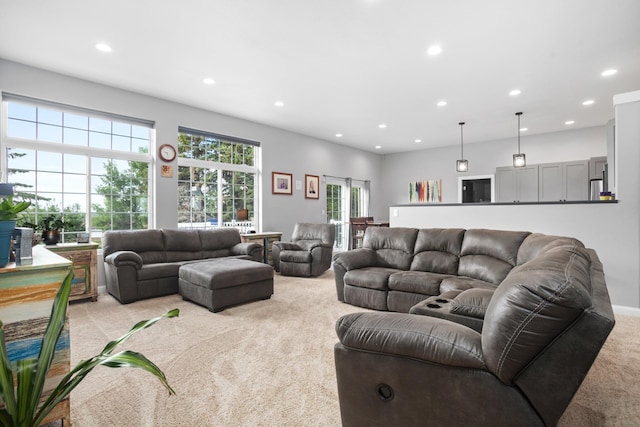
(126, 197)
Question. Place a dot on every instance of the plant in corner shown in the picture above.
(22, 406)
(9, 211)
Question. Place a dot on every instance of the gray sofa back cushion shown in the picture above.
(533, 306)
(537, 243)
(149, 244)
(181, 244)
(437, 250)
(393, 246)
(218, 242)
(323, 233)
(489, 255)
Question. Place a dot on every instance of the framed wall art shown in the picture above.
(311, 187)
(281, 183)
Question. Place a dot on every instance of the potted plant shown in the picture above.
(9, 212)
(22, 402)
(51, 225)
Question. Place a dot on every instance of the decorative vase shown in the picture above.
(6, 234)
(51, 237)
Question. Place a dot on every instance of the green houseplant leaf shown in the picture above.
(22, 407)
(9, 210)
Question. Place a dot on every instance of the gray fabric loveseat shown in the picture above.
(446, 273)
(145, 263)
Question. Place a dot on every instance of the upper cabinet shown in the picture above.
(548, 182)
(561, 182)
(514, 185)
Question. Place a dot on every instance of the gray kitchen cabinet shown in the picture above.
(596, 167)
(515, 185)
(564, 181)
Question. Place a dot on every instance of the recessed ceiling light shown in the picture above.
(208, 81)
(338, 135)
(378, 147)
(524, 129)
(515, 92)
(417, 141)
(569, 122)
(434, 50)
(609, 72)
(102, 47)
(588, 102)
(382, 126)
(441, 103)
(279, 104)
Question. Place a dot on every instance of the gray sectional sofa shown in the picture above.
(446, 273)
(539, 306)
(145, 263)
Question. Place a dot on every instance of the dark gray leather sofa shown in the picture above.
(541, 329)
(448, 273)
(144, 263)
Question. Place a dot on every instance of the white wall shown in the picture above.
(282, 151)
(439, 163)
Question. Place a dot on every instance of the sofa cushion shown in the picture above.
(537, 243)
(534, 304)
(181, 244)
(216, 243)
(437, 250)
(295, 256)
(370, 277)
(393, 246)
(462, 283)
(157, 271)
(418, 282)
(149, 244)
(489, 255)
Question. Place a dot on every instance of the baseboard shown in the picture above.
(627, 311)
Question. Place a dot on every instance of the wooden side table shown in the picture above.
(266, 239)
(85, 260)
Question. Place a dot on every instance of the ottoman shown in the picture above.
(218, 284)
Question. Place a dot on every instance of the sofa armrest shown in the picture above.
(124, 258)
(472, 302)
(355, 258)
(245, 248)
(418, 337)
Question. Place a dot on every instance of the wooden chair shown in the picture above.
(357, 226)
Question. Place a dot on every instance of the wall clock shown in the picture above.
(167, 152)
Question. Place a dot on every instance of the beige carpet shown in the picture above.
(270, 363)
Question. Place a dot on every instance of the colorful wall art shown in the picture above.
(428, 191)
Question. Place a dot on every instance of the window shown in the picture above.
(216, 180)
(89, 167)
(340, 207)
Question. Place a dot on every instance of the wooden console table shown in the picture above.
(26, 298)
(85, 259)
(266, 239)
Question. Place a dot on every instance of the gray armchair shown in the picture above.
(309, 252)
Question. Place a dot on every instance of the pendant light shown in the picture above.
(461, 165)
(519, 160)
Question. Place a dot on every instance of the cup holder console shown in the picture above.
(431, 305)
(442, 300)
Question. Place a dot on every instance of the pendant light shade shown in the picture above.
(461, 165)
(519, 160)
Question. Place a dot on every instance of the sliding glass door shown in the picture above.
(346, 198)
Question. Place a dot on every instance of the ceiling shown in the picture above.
(347, 66)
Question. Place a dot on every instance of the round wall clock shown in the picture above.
(167, 152)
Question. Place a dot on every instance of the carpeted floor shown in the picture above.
(270, 363)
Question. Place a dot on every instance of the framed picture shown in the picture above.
(83, 238)
(311, 187)
(281, 183)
